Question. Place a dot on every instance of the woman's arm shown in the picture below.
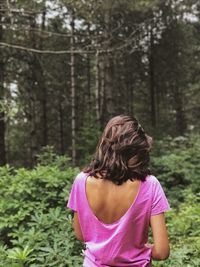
(77, 228)
(160, 248)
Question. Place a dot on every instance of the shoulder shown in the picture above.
(151, 179)
(80, 178)
(152, 183)
(81, 175)
(78, 183)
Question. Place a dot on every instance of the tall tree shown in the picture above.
(152, 79)
(73, 92)
(2, 94)
(42, 84)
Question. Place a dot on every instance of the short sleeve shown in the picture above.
(72, 201)
(159, 201)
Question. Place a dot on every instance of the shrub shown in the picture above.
(35, 226)
(178, 166)
(184, 233)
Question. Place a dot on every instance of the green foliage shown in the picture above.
(28, 191)
(176, 163)
(184, 232)
(51, 237)
(88, 137)
(34, 221)
(48, 157)
(21, 255)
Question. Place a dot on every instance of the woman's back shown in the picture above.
(108, 201)
(116, 238)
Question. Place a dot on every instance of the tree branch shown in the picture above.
(2, 45)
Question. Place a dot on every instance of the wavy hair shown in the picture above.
(122, 152)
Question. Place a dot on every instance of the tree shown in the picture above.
(2, 97)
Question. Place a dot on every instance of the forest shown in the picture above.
(66, 68)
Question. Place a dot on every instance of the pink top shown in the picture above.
(121, 243)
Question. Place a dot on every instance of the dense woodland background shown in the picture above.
(67, 67)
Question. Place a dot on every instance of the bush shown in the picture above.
(35, 226)
(184, 232)
(177, 166)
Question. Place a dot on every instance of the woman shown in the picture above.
(115, 200)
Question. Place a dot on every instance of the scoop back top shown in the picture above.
(121, 243)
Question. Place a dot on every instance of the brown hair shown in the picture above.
(122, 152)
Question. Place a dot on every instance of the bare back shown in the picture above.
(108, 201)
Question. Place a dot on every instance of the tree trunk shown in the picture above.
(102, 105)
(62, 148)
(178, 106)
(2, 95)
(32, 110)
(97, 93)
(110, 109)
(89, 100)
(73, 94)
(37, 110)
(152, 81)
(44, 91)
